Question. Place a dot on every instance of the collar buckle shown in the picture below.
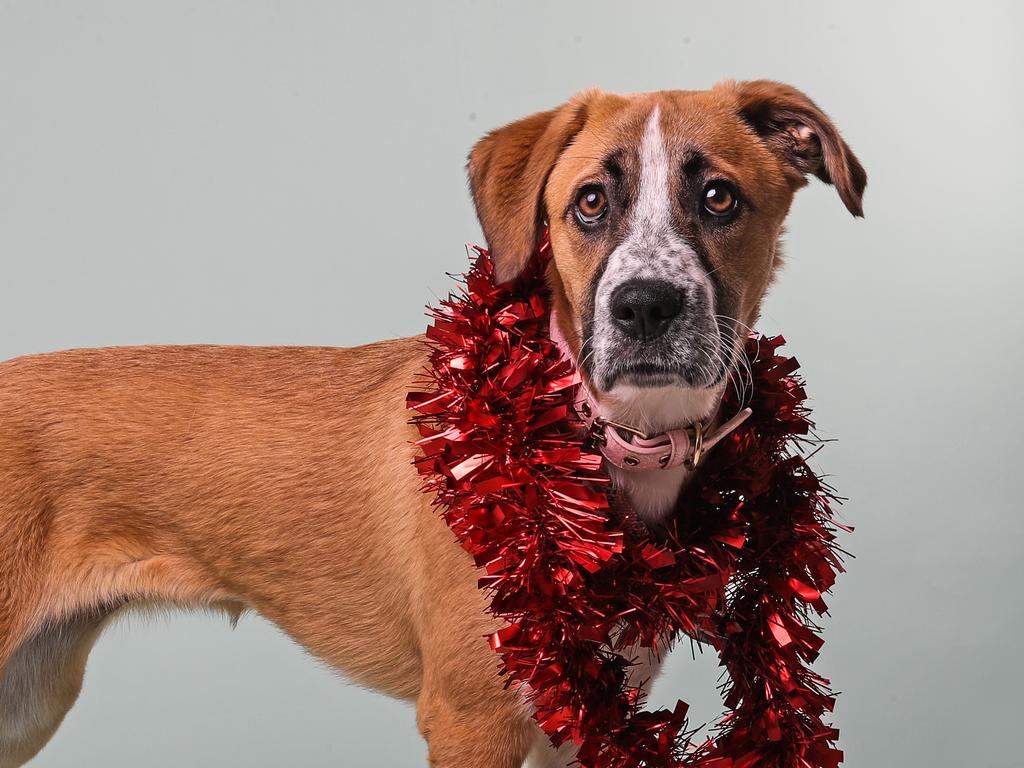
(698, 446)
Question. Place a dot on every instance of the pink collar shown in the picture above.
(642, 452)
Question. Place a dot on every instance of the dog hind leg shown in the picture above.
(39, 683)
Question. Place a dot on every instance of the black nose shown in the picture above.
(644, 309)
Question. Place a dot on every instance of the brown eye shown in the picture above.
(719, 198)
(591, 205)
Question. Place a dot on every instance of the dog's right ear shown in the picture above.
(508, 170)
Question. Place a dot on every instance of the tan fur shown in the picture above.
(280, 479)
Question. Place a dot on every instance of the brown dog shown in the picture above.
(280, 479)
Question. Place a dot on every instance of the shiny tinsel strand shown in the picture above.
(742, 564)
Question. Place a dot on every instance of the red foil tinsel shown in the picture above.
(742, 564)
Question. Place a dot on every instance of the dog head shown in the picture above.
(665, 211)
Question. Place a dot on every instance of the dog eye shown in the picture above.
(591, 205)
(719, 198)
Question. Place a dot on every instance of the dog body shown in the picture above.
(280, 479)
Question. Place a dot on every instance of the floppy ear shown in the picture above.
(508, 170)
(794, 128)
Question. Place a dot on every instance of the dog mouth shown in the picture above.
(696, 360)
(649, 375)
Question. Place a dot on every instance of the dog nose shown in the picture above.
(644, 309)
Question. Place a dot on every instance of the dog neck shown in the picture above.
(653, 493)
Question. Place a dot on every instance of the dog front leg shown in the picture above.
(483, 733)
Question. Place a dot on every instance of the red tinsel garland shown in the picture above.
(742, 564)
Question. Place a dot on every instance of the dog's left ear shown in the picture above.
(796, 129)
(508, 170)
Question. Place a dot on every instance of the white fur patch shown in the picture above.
(653, 207)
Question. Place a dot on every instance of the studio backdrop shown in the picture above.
(293, 173)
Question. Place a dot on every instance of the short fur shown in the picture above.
(280, 479)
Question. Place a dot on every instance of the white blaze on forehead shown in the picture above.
(653, 206)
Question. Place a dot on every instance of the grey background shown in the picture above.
(292, 173)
